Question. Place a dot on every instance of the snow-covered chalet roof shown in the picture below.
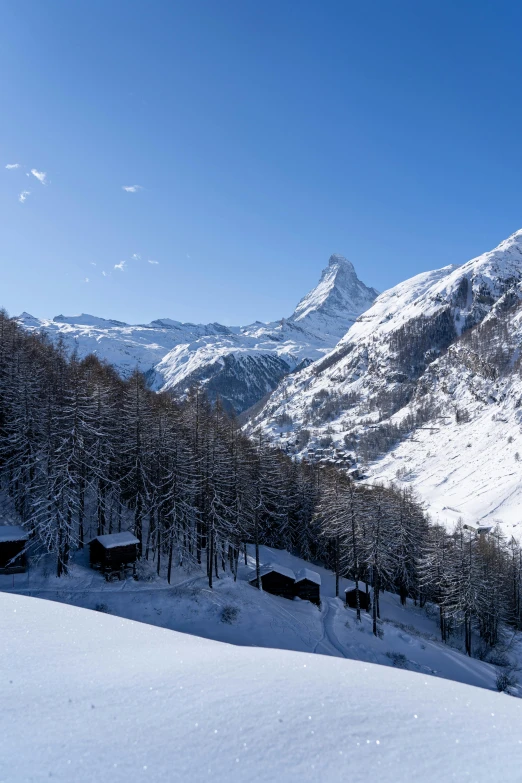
(278, 569)
(306, 573)
(13, 533)
(112, 540)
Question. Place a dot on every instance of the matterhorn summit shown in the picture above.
(338, 299)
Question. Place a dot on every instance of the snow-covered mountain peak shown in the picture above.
(28, 320)
(85, 319)
(515, 240)
(338, 293)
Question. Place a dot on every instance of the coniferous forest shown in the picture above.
(84, 452)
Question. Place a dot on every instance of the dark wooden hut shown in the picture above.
(351, 599)
(308, 586)
(113, 553)
(13, 542)
(277, 580)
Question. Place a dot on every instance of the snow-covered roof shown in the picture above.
(306, 573)
(13, 533)
(279, 569)
(112, 540)
(352, 590)
(477, 528)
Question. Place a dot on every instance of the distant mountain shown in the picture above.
(425, 388)
(240, 364)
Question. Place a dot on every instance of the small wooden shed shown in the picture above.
(277, 580)
(351, 599)
(13, 541)
(308, 586)
(113, 552)
(477, 529)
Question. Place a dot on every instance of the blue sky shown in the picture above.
(263, 135)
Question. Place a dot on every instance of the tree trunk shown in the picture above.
(337, 566)
(169, 567)
(357, 598)
(258, 567)
(210, 555)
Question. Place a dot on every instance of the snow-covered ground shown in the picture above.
(86, 696)
(409, 636)
(467, 471)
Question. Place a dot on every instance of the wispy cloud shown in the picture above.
(13, 166)
(136, 257)
(104, 273)
(86, 280)
(93, 263)
(132, 188)
(153, 262)
(40, 175)
(23, 196)
(121, 266)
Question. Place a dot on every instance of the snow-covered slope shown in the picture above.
(241, 364)
(87, 696)
(407, 633)
(429, 376)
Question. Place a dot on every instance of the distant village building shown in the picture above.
(351, 599)
(276, 579)
(476, 528)
(308, 586)
(13, 542)
(113, 553)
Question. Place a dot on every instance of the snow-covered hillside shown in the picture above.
(408, 635)
(241, 364)
(119, 700)
(429, 377)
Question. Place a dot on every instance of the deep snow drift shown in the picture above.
(86, 696)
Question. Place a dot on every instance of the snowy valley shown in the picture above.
(414, 393)
(423, 390)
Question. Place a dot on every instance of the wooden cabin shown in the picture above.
(477, 529)
(13, 542)
(113, 553)
(308, 586)
(351, 599)
(277, 580)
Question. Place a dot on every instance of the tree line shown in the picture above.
(84, 452)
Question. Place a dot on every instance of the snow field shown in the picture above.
(88, 696)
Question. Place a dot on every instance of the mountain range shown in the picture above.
(238, 364)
